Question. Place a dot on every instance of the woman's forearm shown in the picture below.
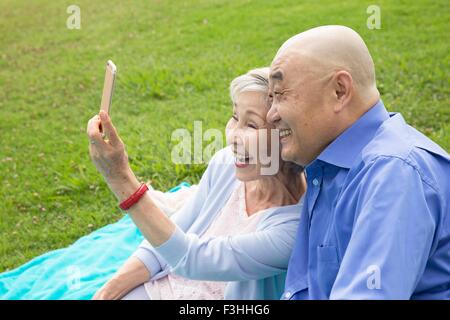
(154, 225)
(111, 159)
(133, 272)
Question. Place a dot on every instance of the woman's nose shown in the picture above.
(233, 136)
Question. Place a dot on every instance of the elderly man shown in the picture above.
(376, 219)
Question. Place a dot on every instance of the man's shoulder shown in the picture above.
(398, 142)
(396, 139)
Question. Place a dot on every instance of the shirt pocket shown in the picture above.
(327, 268)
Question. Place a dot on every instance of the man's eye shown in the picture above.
(234, 117)
(250, 125)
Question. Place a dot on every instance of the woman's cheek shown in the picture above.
(253, 143)
(228, 131)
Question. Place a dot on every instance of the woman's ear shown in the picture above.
(343, 86)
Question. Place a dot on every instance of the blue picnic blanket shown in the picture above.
(78, 271)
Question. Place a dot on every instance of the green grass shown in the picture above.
(175, 62)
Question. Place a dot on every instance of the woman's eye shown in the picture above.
(234, 117)
(250, 125)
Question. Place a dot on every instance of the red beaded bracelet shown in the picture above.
(135, 197)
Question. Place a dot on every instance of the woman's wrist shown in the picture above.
(123, 185)
(116, 288)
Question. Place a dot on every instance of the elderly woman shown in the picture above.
(233, 238)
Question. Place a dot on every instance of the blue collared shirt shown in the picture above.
(376, 218)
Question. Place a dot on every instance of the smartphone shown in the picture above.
(108, 86)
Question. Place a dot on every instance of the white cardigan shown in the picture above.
(254, 264)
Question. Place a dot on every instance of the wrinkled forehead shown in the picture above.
(278, 68)
(284, 66)
(252, 102)
(296, 66)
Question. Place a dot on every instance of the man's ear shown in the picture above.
(343, 83)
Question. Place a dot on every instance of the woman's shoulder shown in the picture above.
(222, 157)
(221, 172)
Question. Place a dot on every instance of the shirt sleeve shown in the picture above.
(183, 218)
(392, 234)
(149, 258)
(255, 255)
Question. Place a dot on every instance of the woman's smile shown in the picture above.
(241, 161)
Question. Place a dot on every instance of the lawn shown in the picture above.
(175, 61)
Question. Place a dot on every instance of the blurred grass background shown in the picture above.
(175, 61)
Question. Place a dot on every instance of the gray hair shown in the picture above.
(254, 80)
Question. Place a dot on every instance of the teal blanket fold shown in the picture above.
(78, 271)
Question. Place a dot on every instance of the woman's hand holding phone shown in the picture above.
(106, 149)
(109, 156)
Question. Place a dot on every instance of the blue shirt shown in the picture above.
(375, 222)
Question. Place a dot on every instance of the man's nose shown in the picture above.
(272, 116)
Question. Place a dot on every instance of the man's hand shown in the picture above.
(132, 274)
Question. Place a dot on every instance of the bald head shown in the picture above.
(332, 48)
(321, 82)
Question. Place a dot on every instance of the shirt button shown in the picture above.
(315, 182)
(287, 295)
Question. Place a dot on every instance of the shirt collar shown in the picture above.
(343, 151)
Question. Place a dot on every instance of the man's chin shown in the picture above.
(286, 155)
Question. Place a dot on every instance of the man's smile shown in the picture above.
(284, 134)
